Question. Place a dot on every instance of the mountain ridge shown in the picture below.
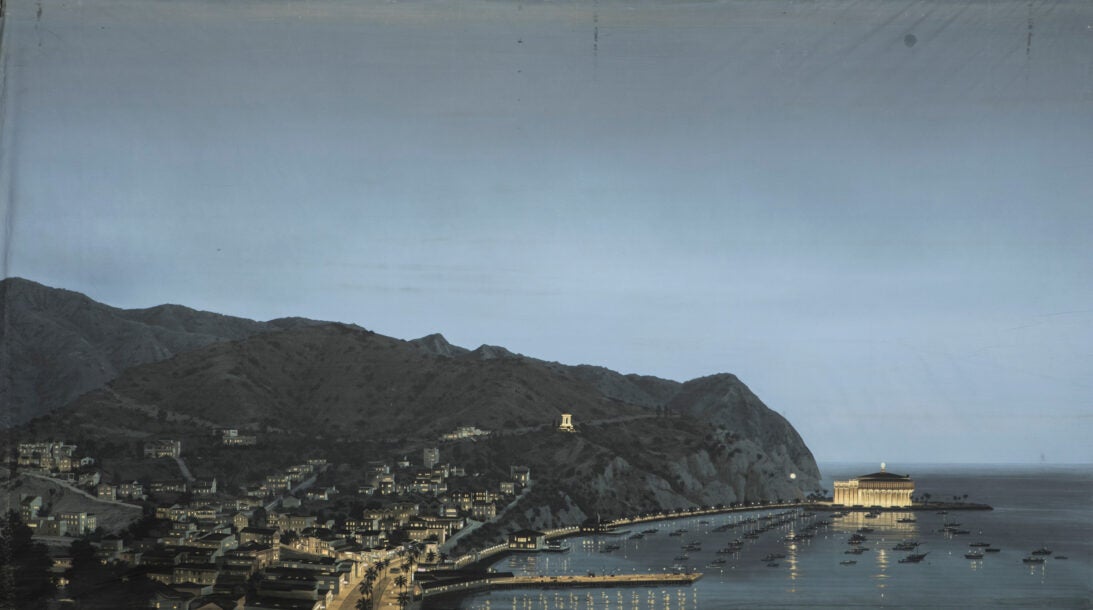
(58, 344)
(344, 392)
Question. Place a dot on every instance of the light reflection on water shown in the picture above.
(1041, 512)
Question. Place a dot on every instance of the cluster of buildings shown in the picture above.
(279, 483)
(56, 457)
(274, 538)
(71, 523)
(465, 432)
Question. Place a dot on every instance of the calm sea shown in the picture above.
(1048, 506)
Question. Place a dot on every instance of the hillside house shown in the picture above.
(29, 507)
(162, 448)
(78, 523)
(132, 489)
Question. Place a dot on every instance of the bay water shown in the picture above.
(1034, 507)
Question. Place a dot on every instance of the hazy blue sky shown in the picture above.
(878, 213)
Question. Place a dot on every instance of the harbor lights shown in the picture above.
(793, 476)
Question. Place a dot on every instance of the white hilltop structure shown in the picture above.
(567, 423)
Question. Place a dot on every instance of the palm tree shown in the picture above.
(430, 557)
(364, 603)
(403, 599)
(400, 581)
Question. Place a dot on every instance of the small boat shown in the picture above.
(973, 555)
(913, 558)
(847, 562)
(942, 512)
(718, 562)
(653, 531)
(703, 522)
(855, 551)
(865, 530)
(1033, 560)
(772, 565)
(992, 550)
(1061, 557)
(1042, 551)
(907, 520)
(959, 532)
(636, 537)
(982, 544)
(950, 524)
(773, 556)
(682, 558)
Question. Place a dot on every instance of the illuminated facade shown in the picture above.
(567, 423)
(878, 489)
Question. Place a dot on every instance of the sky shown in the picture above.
(876, 214)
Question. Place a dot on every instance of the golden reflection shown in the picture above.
(882, 566)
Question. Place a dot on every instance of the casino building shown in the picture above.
(878, 489)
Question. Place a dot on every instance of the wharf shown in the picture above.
(560, 582)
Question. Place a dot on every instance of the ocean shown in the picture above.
(1034, 507)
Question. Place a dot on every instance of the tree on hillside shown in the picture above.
(25, 581)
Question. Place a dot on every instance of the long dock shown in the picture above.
(561, 581)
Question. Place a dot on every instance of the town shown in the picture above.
(282, 543)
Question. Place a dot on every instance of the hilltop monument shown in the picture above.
(567, 423)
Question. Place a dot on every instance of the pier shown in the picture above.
(502, 581)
